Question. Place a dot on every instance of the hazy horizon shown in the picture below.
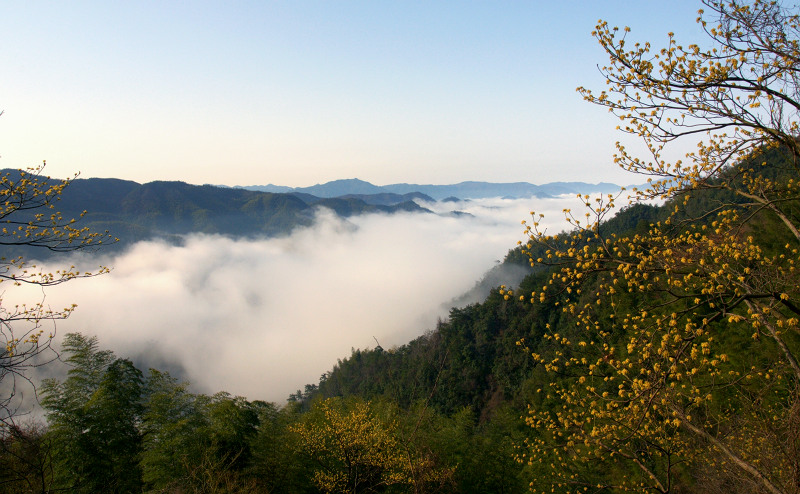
(270, 92)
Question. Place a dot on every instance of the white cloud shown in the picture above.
(261, 318)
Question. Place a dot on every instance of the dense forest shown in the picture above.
(652, 348)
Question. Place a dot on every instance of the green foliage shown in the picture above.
(112, 431)
(190, 440)
(93, 418)
(170, 424)
(275, 464)
(232, 425)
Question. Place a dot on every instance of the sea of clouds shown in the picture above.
(261, 318)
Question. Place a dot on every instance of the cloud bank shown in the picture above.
(262, 318)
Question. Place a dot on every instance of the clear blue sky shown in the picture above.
(297, 93)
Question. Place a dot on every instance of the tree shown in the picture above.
(170, 424)
(275, 462)
(29, 223)
(356, 450)
(683, 355)
(195, 443)
(25, 459)
(94, 418)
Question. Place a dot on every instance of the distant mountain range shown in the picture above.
(463, 190)
(133, 211)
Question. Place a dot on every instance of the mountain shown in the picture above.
(133, 211)
(471, 190)
(462, 190)
(381, 199)
(278, 189)
(389, 198)
(338, 188)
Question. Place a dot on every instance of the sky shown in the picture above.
(304, 92)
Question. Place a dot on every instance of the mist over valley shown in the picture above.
(260, 316)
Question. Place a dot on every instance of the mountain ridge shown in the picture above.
(462, 190)
(170, 209)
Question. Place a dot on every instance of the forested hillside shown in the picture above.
(137, 212)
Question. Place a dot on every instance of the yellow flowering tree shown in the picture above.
(29, 220)
(357, 450)
(682, 360)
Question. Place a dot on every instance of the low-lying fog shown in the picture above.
(261, 318)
